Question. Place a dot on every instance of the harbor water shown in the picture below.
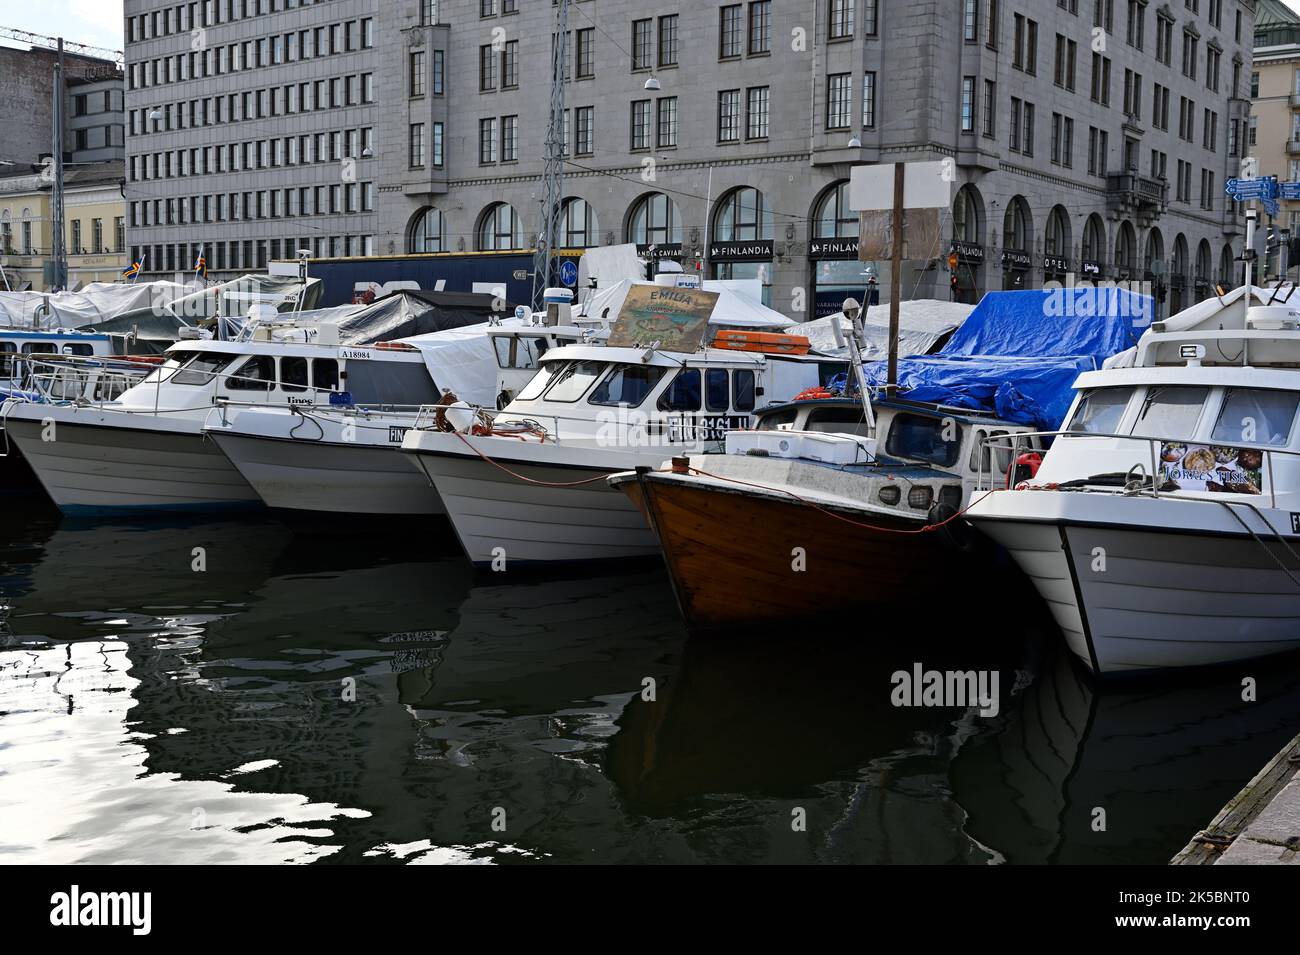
(228, 691)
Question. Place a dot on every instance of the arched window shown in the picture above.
(1015, 225)
(427, 233)
(578, 226)
(1155, 251)
(1180, 256)
(6, 234)
(1056, 240)
(833, 219)
(499, 228)
(1204, 259)
(966, 213)
(1125, 249)
(1227, 268)
(654, 221)
(1094, 239)
(28, 248)
(742, 216)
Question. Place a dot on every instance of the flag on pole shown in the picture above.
(132, 270)
(200, 266)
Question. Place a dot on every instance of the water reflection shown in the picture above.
(347, 699)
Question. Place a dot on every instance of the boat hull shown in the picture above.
(1133, 595)
(93, 469)
(320, 477)
(738, 559)
(540, 517)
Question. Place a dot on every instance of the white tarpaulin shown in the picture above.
(463, 360)
(921, 323)
(609, 265)
(734, 309)
(97, 302)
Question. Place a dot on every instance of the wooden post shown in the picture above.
(895, 279)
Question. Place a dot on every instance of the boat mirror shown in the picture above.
(851, 308)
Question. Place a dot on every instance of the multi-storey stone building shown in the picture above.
(1274, 131)
(1088, 136)
(250, 124)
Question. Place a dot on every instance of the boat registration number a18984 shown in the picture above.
(686, 428)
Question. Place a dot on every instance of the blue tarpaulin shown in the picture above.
(1019, 352)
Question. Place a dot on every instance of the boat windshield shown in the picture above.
(922, 438)
(1256, 416)
(537, 384)
(201, 368)
(573, 380)
(1171, 411)
(1100, 411)
(627, 386)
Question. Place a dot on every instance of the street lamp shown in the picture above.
(652, 84)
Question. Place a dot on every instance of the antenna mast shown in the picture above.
(553, 172)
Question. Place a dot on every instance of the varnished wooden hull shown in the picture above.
(738, 558)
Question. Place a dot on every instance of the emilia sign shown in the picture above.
(673, 317)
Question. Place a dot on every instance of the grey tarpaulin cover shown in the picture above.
(922, 325)
(410, 312)
(157, 325)
(92, 305)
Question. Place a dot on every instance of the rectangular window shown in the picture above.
(509, 138)
(417, 74)
(417, 145)
(642, 41)
(868, 100)
(584, 60)
(968, 104)
(731, 31)
(760, 27)
(487, 68)
(668, 40)
(841, 19)
(487, 141)
(666, 125)
(641, 124)
(757, 108)
(729, 116)
(585, 130)
(839, 100)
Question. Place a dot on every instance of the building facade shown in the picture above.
(1274, 131)
(94, 222)
(1087, 137)
(250, 126)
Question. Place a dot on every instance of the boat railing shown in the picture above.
(1141, 479)
(90, 378)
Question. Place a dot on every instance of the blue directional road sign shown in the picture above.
(1289, 190)
(1271, 207)
(1244, 189)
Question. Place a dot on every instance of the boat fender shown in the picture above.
(957, 534)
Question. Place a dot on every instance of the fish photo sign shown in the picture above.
(1215, 468)
(674, 317)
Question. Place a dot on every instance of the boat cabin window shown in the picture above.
(627, 385)
(198, 368)
(537, 384)
(1170, 411)
(78, 348)
(683, 393)
(717, 396)
(921, 438)
(6, 362)
(1256, 416)
(837, 419)
(293, 373)
(519, 351)
(325, 374)
(743, 390)
(1100, 411)
(255, 374)
(775, 420)
(572, 381)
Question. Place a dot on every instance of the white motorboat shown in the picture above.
(1162, 527)
(145, 451)
(329, 462)
(527, 485)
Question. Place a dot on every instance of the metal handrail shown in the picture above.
(1014, 443)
